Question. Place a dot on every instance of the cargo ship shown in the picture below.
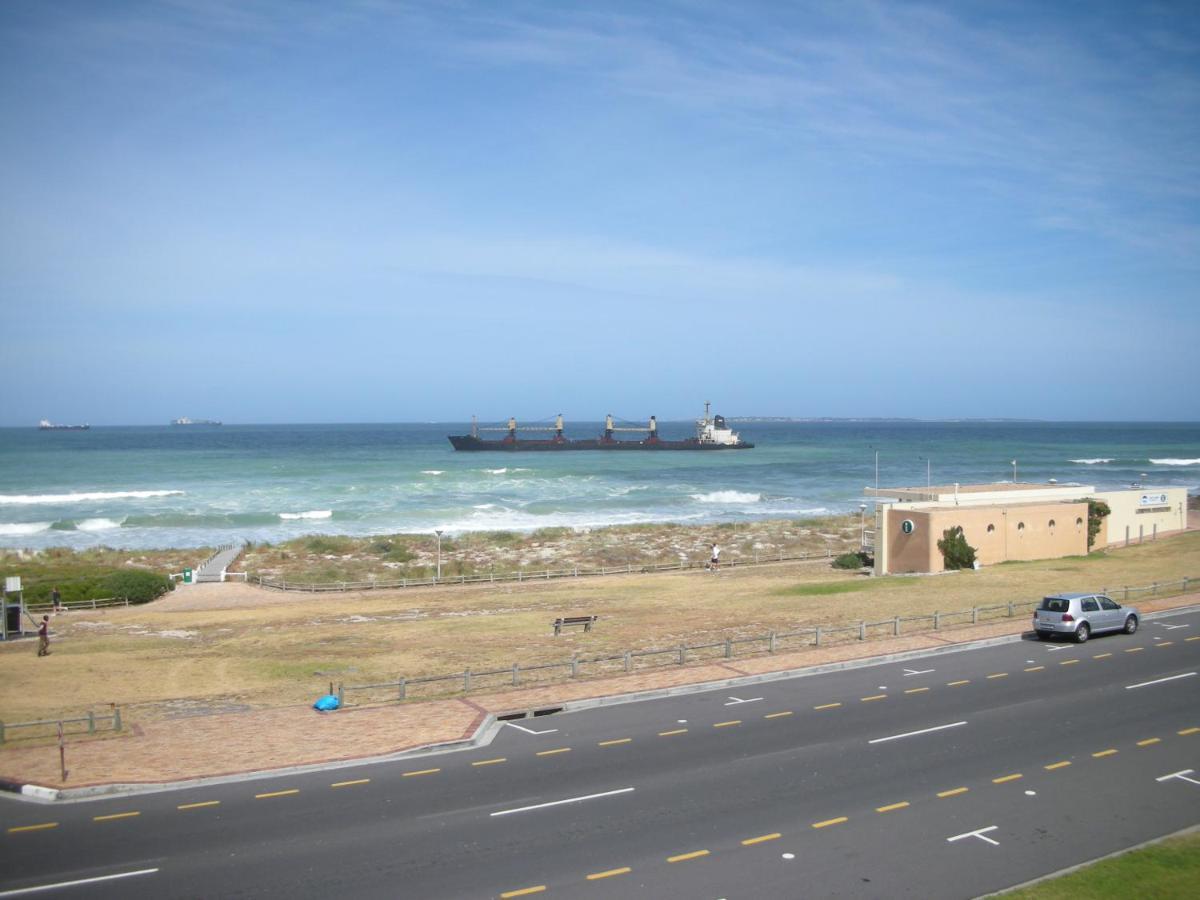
(47, 425)
(712, 433)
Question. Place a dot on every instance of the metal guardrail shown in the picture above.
(282, 584)
(91, 719)
(814, 636)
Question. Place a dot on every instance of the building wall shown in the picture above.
(1017, 531)
(1141, 511)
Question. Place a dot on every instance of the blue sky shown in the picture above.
(376, 211)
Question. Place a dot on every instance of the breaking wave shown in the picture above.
(1176, 462)
(433, 472)
(310, 514)
(14, 529)
(83, 496)
(1093, 462)
(97, 524)
(727, 497)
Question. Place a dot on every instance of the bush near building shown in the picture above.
(956, 552)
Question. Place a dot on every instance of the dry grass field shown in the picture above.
(229, 645)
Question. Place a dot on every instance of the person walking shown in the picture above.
(44, 637)
(714, 564)
(56, 600)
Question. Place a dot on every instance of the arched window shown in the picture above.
(1020, 526)
(991, 528)
(1051, 526)
(1078, 524)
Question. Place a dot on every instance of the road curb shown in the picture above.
(490, 724)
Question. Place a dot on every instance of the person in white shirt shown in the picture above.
(714, 564)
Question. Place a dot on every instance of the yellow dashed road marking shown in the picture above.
(1164, 644)
(554, 751)
(1108, 752)
(1004, 778)
(953, 793)
(669, 733)
(276, 794)
(614, 742)
(537, 889)
(874, 697)
(827, 706)
(342, 784)
(1068, 662)
(1148, 741)
(957, 683)
(890, 807)
(490, 762)
(695, 854)
(420, 772)
(999, 675)
(916, 690)
(727, 724)
(1197, 638)
(1187, 731)
(1139, 649)
(1101, 655)
(838, 821)
(1035, 668)
(761, 839)
(778, 714)
(609, 873)
(199, 805)
(16, 829)
(111, 816)
(1057, 765)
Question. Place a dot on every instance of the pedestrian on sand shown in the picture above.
(44, 637)
(714, 564)
(56, 600)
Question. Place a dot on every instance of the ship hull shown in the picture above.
(472, 444)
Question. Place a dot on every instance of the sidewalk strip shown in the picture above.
(609, 873)
(748, 842)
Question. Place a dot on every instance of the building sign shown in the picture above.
(12, 584)
(908, 526)
(1153, 500)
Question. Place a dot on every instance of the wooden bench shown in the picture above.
(565, 621)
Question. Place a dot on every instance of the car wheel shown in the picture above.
(1131, 625)
(1082, 633)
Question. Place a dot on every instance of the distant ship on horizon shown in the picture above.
(711, 434)
(47, 425)
(184, 420)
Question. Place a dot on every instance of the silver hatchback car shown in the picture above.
(1082, 615)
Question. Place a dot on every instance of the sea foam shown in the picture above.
(433, 472)
(19, 528)
(83, 496)
(727, 497)
(1092, 462)
(1176, 462)
(310, 514)
(97, 524)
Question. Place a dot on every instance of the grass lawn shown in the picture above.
(232, 643)
(1166, 871)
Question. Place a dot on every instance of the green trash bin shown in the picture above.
(187, 576)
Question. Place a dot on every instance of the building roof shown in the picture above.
(978, 493)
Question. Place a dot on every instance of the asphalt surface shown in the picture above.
(1029, 757)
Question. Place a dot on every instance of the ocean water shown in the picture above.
(179, 487)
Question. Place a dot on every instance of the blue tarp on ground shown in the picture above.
(326, 703)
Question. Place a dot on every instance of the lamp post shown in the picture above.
(862, 526)
(438, 532)
(1014, 465)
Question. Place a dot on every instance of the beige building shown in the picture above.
(1013, 521)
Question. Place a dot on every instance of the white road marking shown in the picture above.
(734, 701)
(1130, 687)
(1173, 627)
(509, 812)
(530, 730)
(788, 855)
(908, 672)
(62, 884)
(896, 737)
(978, 833)
(1181, 775)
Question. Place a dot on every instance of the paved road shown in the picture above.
(1026, 758)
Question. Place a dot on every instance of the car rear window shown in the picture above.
(1055, 604)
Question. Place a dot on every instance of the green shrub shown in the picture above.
(1097, 510)
(850, 561)
(136, 585)
(325, 543)
(956, 552)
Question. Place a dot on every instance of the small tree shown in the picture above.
(956, 552)
(1097, 510)
(850, 561)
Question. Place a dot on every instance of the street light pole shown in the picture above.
(862, 526)
(438, 532)
(1014, 465)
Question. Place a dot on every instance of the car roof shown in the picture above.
(1068, 596)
